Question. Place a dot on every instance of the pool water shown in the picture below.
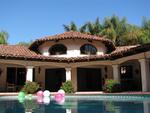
(74, 105)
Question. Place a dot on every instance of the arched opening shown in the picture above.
(88, 49)
(58, 49)
(130, 76)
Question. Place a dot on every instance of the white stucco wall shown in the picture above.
(73, 47)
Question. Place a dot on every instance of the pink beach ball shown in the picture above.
(62, 101)
(39, 94)
(62, 92)
(58, 97)
(40, 100)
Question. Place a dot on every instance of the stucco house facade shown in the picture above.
(84, 59)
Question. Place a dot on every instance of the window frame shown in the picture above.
(57, 51)
(86, 52)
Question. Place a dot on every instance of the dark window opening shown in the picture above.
(89, 79)
(54, 79)
(88, 49)
(58, 49)
(16, 76)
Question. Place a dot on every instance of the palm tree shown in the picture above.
(146, 23)
(132, 36)
(83, 29)
(89, 27)
(3, 37)
(94, 28)
(71, 27)
(146, 30)
(108, 30)
(114, 28)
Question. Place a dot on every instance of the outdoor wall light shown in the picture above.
(123, 70)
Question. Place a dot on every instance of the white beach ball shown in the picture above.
(46, 93)
(46, 100)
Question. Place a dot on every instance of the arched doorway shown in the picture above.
(130, 76)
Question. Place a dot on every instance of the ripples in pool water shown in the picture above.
(73, 106)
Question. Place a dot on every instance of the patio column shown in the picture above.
(29, 74)
(116, 73)
(68, 74)
(146, 107)
(145, 74)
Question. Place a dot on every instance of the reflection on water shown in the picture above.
(73, 106)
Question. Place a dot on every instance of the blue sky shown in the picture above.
(27, 20)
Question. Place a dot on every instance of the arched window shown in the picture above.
(88, 49)
(58, 49)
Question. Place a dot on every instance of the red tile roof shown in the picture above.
(23, 53)
(73, 35)
(15, 50)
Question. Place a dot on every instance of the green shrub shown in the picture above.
(111, 86)
(30, 105)
(67, 87)
(30, 87)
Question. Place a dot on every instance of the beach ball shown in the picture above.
(21, 94)
(46, 100)
(39, 93)
(61, 91)
(39, 100)
(62, 101)
(58, 97)
(46, 93)
(21, 99)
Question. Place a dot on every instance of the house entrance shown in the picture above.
(16, 78)
(129, 82)
(89, 79)
(54, 79)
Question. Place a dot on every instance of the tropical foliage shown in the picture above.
(116, 29)
(3, 37)
(27, 44)
(30, 87)
(111, 86)
(67, 87)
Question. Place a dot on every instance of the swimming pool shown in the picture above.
(78, 104)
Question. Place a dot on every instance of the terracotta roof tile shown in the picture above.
(16, 50)
(73, 35)
(22, 52)
(120, 49)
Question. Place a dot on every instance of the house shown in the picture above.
(84, 59)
